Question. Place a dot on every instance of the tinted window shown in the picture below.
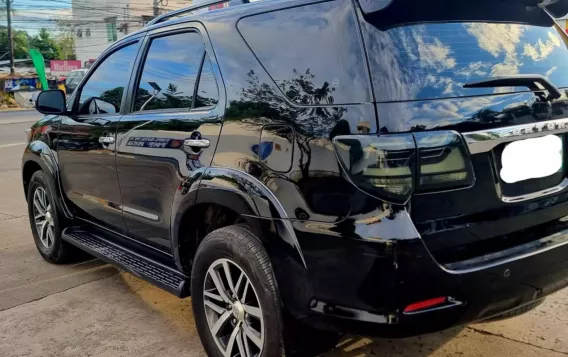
(108, 81)
(170, 72)
(312, 52)
(435, 60)
(207, 92)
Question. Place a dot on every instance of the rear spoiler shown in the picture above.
(394, 13)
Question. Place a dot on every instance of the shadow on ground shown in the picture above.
(422, 346)
(180, 314)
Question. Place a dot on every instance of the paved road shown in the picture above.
(19, 116)
(90, 309)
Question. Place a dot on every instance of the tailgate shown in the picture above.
(450, 70)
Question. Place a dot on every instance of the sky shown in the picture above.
(31, 15)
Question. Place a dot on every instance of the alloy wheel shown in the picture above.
(233, 310)
(43, 218)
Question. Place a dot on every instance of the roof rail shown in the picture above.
(201, 5)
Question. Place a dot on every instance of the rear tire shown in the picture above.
(235, 299)
(46, 221)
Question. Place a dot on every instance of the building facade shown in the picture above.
(98, 23)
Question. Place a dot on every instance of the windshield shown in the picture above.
(74, 78)
(435, 60)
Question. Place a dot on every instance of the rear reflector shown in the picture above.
(422, 305)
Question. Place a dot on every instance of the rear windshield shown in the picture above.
(435, 60)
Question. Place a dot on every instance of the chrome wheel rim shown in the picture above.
(233, 310)
(43, 218)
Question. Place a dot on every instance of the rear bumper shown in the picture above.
(362, 286)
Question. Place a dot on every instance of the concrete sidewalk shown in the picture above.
(90, 309)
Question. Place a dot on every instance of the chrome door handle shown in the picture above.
(197, 143)
(106, 140)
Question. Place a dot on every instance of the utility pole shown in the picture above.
(156, 10)
(10, 38)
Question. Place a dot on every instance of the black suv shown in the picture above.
(387, 167)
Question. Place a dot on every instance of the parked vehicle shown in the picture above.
(73, 80)
(300, 166)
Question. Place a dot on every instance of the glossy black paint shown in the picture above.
(343, 259)
(51, 102)
(153, 163)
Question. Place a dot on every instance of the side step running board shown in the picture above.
(156, 273)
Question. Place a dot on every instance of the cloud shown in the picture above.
(445, 83)
(549, 72)
(541, 50)
(476, 69)
(496, 38)
(434, 54)
(505, 68)
(443, 109)
(499, 39)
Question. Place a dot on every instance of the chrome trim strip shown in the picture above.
(350, 313)
(485, 140)
(137, 212)
(529, 196)
(492, 260)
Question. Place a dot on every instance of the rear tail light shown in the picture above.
(391, 167)
(443, 161)
(382, 167)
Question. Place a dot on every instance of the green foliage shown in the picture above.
(20, 43)
(66, 45)
(51, 46)
(113, 96)
(46, 44)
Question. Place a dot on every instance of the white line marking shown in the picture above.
(14, 144)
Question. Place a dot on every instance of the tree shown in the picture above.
(65, 38)
(21, 39)
(60, 45)
(66, 46)
(46, 44)
(262, 103)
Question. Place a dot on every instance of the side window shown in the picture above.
(170, 72)
(207, 92)
(102, 93)
(312, 52)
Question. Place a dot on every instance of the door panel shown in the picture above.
(153, 161)
(175, 100)
(86, 142)
(88, 168)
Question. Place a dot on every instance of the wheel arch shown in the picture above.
(217, 201)
(38, 156)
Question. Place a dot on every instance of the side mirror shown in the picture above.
(51, 102)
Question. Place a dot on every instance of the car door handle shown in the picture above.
(197, 143)
(106, 140)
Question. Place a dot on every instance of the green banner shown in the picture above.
(39, 65)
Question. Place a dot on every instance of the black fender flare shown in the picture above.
(40, 154)
(244, 194)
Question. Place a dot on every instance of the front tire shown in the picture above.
(46, 221)
(234, 296)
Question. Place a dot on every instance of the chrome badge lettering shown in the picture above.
(485, 140)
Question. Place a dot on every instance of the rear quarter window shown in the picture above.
(435, 60)
(313, 52)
